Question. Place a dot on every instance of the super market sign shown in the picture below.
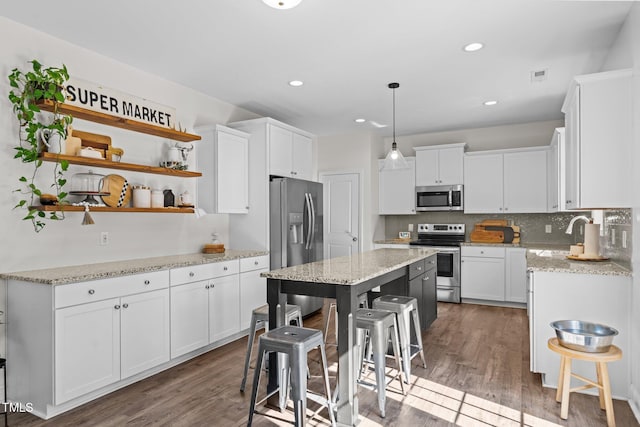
(92, 96)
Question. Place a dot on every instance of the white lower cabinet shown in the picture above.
(253, 288)
(189, 317)
(102, 342)
(204, 311)
(224, 307)
(494, 273)
(87, 348)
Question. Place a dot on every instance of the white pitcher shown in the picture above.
(53, 141)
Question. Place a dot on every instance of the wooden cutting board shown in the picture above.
(119, 191)
(482, 236)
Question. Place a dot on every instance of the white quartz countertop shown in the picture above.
(353, 269)
(83, 273)
(556, 262)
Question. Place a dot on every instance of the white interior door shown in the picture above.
(341, 213)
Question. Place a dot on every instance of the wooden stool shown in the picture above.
(603, 385)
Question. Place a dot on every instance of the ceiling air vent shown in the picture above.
(539, 75)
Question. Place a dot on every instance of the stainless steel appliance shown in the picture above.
(446, 239)
(440, 198)
(296, 229)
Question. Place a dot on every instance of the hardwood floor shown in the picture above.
(477, 374)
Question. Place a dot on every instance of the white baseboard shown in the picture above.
(634, 401)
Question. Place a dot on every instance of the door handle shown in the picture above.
(307, 200)
(354, 238)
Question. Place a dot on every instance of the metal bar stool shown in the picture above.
(259, 320)
(374, 327)
(3, 366)
(293, 343)
(406, 309)
(603, 385)
(362, 303)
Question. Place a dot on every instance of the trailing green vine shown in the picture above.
(29, 90)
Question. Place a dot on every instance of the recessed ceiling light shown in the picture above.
(359, 120)
(472, 47)
(488, 103)
(282, 4)
(295, 83)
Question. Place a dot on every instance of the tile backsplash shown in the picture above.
(617, 227)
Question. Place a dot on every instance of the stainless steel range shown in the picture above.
(446, 239)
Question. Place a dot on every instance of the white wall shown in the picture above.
(356, 153)
(625, 53)
(131, 235)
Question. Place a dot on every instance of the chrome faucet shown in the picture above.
(569, 229)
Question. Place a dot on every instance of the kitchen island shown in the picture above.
(343, 278)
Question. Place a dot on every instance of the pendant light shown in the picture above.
(282, 4)
(394, 159)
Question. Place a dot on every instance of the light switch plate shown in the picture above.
(547, 228)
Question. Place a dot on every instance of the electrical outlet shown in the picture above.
(410, 227)
(104, 238)
(547, 228)
(613, 237)
(624, 239)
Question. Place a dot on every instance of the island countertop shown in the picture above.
(103, 270)
(353, 269)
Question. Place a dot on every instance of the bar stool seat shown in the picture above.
(406, 310)
(293, 343)
(602, 383)
(375, 327)
(259, 320)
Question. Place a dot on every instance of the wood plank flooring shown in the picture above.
(477, 375)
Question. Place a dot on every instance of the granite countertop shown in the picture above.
(82, 273)
(554, 261)
(351, 270)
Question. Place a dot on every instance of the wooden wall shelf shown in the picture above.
(70, 208)
(119, 122)
(101, 163)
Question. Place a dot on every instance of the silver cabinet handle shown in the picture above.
(92, 291)
(146, 282)
(225, 268)
(419, 268)
(117, 306)
(506, 209)
(125, 305)
(191, 274)
(499, 209)
(206, 286)
(211, 286)
(425, 278)
(482, 252)
(255, 263)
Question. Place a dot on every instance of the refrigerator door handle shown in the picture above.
(307, 198)
(313, 222)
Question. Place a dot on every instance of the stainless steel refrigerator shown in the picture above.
(296, 229)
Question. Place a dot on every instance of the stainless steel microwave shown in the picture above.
(439, 198)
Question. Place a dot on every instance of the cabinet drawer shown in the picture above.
(416, 269)
(482, 251)
(194, 273)
(254, 263)
(96, 290)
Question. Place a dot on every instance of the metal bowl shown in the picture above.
(584, 336)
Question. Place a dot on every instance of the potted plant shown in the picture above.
(29, 90)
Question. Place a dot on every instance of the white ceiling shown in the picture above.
(347, 51)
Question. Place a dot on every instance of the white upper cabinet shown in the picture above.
(397, 189)
(483, 183)
(223, 157)
(556, 173)
(290, 153)
(440, 164)
(599, 139)
(509, 181)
